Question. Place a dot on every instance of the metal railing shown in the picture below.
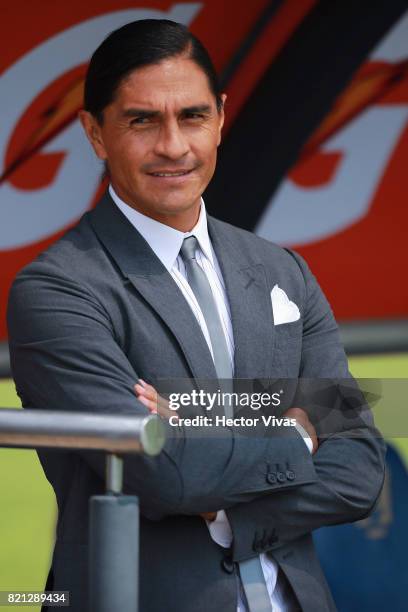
(114, 518)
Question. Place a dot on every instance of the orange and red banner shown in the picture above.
(340, 195)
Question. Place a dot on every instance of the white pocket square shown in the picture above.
(284, 311)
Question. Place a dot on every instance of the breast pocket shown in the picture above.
(288, 348)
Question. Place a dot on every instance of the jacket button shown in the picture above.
(290, 475)
(281, 477)
(227, 565)
(271, 478)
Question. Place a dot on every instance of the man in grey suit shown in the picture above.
(147, 287)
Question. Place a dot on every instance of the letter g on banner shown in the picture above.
(31, 215)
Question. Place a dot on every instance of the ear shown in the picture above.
(221, 115)
(93, 132)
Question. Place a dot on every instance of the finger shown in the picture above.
(138, 389)
(150, 392)
(148, 403)
(154, 402)
(144, 398)
(160, 402)
(164, 403)
(147, 392)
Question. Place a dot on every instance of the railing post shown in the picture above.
(114, 545)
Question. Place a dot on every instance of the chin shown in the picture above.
(174, 206)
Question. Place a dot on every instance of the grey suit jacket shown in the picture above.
(96, 311)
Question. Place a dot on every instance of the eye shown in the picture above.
(194, 116)
(140, 121)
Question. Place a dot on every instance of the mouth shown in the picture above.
(171, 174)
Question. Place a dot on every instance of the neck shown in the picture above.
(183, 222)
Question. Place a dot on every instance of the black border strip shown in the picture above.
(229, 71)
(290, 101)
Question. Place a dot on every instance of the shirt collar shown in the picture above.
(164, 240)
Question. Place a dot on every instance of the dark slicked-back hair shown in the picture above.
(137, 44)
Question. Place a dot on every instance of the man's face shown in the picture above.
(159, 137)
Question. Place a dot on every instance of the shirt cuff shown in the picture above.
(306, 438)
(220, 529)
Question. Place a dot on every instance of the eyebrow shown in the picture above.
(144, 113)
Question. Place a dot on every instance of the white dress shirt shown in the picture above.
(166, 243)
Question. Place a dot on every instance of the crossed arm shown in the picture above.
(65, 356)
(156, 404)
(290, 513)
(348, 460)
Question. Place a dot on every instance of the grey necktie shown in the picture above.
(251, 570)
(200, 285)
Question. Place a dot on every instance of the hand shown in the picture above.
(156, 404)
(208, 516)
(301, 417)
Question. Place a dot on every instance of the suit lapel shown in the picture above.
(250, 304)
(153, 282)
(246, 285)
(164, 296)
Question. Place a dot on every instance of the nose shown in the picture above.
(171, 142)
